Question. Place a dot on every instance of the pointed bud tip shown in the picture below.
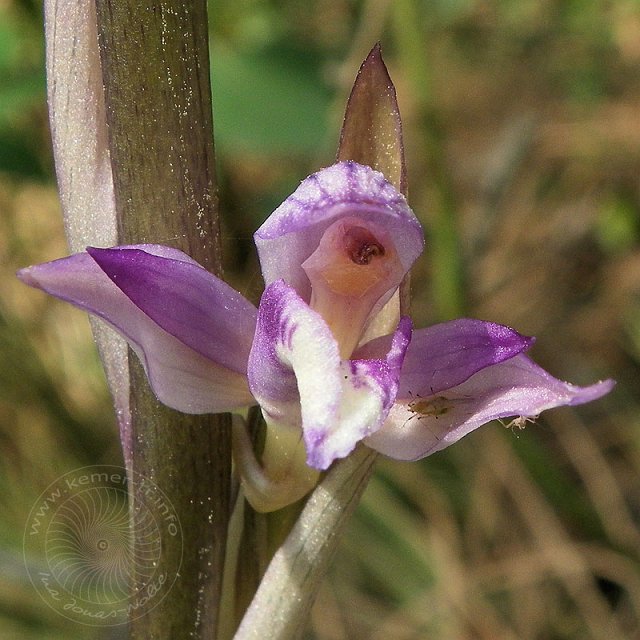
(372, 129)
(375, 55)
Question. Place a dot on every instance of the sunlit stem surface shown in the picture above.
(155, 69)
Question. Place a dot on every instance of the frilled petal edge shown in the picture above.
(296, 374)
(182, 377)
(419, 426)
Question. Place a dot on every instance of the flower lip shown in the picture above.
(298, 377)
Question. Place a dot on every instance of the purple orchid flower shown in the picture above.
(326, 353)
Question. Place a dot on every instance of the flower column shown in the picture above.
(155, 69)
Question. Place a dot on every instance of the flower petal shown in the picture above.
(369, 391)
(185, 300)
(445, 355)
(297, 376)
(182, 377)
(293, 231)
(516, 387)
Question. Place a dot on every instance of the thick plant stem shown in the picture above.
(155, 71)
(280, 609)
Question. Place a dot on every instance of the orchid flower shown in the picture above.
(326, 354)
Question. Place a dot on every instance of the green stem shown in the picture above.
(281, 606)
(155, 70)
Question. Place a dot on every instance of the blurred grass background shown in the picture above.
(522, 128)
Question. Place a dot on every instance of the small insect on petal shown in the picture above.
(519, 422)
(434, 407)
(430, 412)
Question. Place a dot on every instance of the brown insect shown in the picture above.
(431, 407)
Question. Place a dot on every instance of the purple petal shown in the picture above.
(369, 391)
(297, 376)
(187, 301)
(293, 231)
(283, 316)
(421, 426)
(445, 355)
(180, 376)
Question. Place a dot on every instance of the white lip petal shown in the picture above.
(297, 376)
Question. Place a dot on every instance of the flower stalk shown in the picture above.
(281, 606)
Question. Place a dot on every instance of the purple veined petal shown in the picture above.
(297, 377)
(293, 231)
(292, 341)
(185, 300)
(181, 377)
(445, 355)
(421, 426)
